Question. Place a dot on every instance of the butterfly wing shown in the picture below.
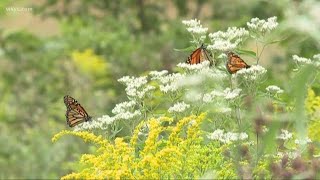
(199, 55)
(75, 113)
(235, 63)
(195, 57)
(206, 56)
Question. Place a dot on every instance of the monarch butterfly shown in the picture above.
(235, 63)
(75, 113)
(199, 55)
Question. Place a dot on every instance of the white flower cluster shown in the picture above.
(89, 125)
(251, 74)
(136, 86)
(262, 26)
(121, 107)
(227, 94)
(316, 57)
(190, 80)
(274, 89)
(124, 110)
(285, 135)
(158, 74)
(304, 61)
(227, 137)
(301, 60)
(105, 120)
(193, 95)
(214, 74)
(101, 123)
(303, 141)
(169, 82)
(231, 94)
(194, 67)
(178, 107)
(291, 155)
(200, 72)
(229, 40)
(194, 26)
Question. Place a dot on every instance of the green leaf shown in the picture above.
(301, 82)
(246, 52)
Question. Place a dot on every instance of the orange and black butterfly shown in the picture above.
(199, 55)
(75, 113)
(235, 63)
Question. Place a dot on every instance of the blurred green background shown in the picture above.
(82, 47)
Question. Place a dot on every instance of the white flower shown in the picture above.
(291, 155)
(217, 134)
(168, 88)
(303, 141)
(227, 94)
(178, 107)
(136, 86)
(190, 80)
(214, 74)
(231, 94)
(285, 135)
(262, 26)
(251, 143)
(88, 125)
(124, 110)
(100, 123)
(123, 107)
(243, 136)
(169, 82)
(229, 40)
(252, 74)
(194, 26)
(301, 60)
(105, 119)
(193, 95)
(140, 94)
(194, 67)
(274, 89)
(216, 93)
(316, 57)
(170, 78)
(227, 137)
(207, 98)
(125, 79)
(127, 115)
(222, 45)
(157, 74)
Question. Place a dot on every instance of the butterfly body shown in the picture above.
(75, 113)
(235, 63)
(199, 55)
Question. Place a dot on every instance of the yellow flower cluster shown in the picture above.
(159, 148)
(312, 102)
(313, 109)
(89, 63)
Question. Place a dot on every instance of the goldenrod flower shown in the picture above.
(168, 151)
(90, 63)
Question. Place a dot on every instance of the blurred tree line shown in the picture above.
(126, 37)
